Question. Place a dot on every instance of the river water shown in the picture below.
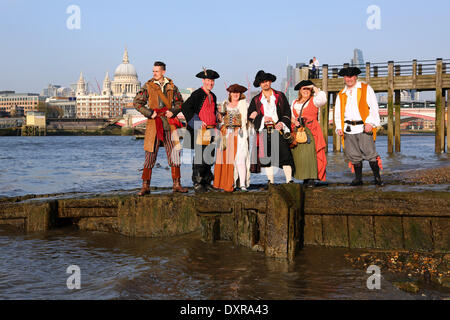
(61, 164)
(115, 267)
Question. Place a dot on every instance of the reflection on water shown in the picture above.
(45, 165)
(115, 267)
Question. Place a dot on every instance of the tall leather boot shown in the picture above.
(146, 177)
(358, 175)
(376, 173)
(176, 176)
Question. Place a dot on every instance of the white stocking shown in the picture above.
(269, 174)
(288, 173)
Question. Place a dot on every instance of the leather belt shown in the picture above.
(354, 123)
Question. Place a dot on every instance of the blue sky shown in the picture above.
(235, 38)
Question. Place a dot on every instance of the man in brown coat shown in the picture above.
(163, 102)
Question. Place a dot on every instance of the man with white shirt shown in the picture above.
(270, 113)
(316, 64)
(356, 117)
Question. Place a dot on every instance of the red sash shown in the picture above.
(159, 124)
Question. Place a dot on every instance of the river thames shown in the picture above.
(33, 266)
(62, 164)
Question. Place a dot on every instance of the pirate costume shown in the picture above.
(233, 160)
(277, 108)
(354, 108)
(200, 107)
(160, 96)
(310, 158)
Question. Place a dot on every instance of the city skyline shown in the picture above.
(40, 49)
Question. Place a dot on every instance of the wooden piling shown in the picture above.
(324, 110)
(439, 108)
(443, 122)
(368, 72)
(391, 107)
(336, 138)
(304, 73)
(448, 121)
(397, 121)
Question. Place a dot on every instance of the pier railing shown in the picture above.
(381, 69)
(391, 77)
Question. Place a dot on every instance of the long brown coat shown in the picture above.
(151, 95)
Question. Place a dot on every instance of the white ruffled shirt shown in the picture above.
(352, 110)
(270, 110)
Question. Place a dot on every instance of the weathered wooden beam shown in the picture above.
(448, 121)
(368, 72)
(439, 108)
(336, 138)
(324, 110)
(443, 122)
(391, 107)
(397, 121)
(304, 73)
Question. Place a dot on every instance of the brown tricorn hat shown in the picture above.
(236, 88)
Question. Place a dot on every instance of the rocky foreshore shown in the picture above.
(410, 271)
(438, 176)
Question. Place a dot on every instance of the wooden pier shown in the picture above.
(391, 77)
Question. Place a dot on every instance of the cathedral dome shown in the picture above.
(125, 68)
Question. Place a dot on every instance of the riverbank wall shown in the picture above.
(277, 222)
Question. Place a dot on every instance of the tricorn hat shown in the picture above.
(349, 72)
(208, 74)
(261, 76)
(236, 88)
(304, 83)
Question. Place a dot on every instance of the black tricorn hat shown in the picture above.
(208, 74)
(236, 88)
(304, 83)
(261, 76)
(349, 72)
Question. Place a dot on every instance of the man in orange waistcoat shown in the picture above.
(163, 102)
(356, 117)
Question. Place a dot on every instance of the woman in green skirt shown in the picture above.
(309, 156)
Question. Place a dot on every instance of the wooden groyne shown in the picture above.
(277, 222)
(392, 77)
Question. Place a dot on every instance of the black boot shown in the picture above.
(309, 183)
(376, 173)
(358, 175)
